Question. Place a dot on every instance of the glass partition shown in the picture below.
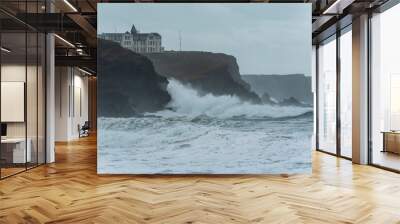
(32, 95)
(385, 89)
(327, 95)
(14, 153)
(41, 97)
(346, 93)
(22, 78)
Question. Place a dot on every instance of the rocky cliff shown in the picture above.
(127, 82)
(282, 87)
(207, 72)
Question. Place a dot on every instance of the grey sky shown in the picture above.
(264, 38)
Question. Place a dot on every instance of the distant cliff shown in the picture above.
(282, 87)
(127, 82)
(208, 72)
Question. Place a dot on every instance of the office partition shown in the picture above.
(22, 78)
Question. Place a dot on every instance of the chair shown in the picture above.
(84, 130)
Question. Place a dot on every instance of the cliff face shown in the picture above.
(128, 83)
(208, 72)
(282, 87)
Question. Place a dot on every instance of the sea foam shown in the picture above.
(189, 102)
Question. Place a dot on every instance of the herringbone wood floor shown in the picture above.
(70, 191)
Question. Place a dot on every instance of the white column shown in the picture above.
(50, 99)
(314, 92)
(360, 90)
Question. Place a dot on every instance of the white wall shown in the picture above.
(33, 126)
(10, 73)
(62, 82)
(17, 73)
(71, 93)
(80, 110)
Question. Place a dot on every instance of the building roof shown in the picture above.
(133, 29)
(156, 34)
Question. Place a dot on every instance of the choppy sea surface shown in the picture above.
(207, 134)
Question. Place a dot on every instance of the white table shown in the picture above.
(20, 155)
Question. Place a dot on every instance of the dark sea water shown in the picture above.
(207, 134)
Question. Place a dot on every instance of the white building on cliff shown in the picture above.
(136, 41)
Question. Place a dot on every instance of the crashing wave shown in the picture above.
(186, 101)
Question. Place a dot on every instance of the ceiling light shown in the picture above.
(5, 50)
(333, 6)
(338, 6)
(79, 51)
(64, 40)
(70, 5)
(84, 71)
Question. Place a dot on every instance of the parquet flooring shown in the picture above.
(10, 171)
(70, 191)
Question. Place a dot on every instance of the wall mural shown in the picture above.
(204, 88)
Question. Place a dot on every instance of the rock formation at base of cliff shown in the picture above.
(127, 82)
(282, 87)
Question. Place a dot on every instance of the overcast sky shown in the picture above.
(264, 38)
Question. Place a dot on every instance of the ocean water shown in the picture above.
(207, 134)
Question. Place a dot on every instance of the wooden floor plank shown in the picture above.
(70, 191)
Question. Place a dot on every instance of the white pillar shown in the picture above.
(314, 92)
(50, 99)
(360, 90)
(63, 99)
